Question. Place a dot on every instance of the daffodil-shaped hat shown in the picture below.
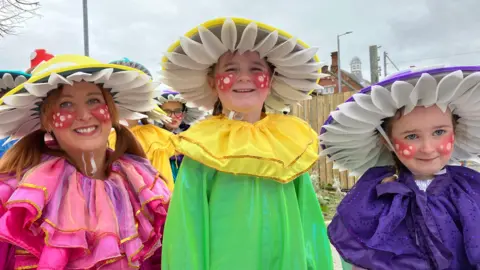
(187, 62)
(131, 89)
(192, 114)
(351, 136)
(10, 79)
(129, 63)
(157, 114)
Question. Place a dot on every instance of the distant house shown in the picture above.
(351, 81)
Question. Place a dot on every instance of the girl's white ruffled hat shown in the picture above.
(351, 136)
(192, 114)
(188, 61)
(131, 89)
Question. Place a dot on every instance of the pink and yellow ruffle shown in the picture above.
(58, 217)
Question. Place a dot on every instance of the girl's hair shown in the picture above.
(144, 121)
(28, 151)
(387, 125)
(218, 108)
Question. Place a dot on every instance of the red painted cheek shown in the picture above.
(261, 80)
(63, 119)
(101, 113)
(225, 81)
(403, 149)
(445, 147)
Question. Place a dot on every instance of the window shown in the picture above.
(327, 90)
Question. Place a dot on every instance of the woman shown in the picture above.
(243, 197)
(73, 203)
(182, 117)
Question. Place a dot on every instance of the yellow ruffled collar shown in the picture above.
(278, 147)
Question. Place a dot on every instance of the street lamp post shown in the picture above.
(85, 28)
(338, 61)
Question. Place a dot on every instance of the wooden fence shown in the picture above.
(315, 112)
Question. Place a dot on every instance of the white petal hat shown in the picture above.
(187, 61)
(351, 135)
(10, 79)
(131, 89)
(192, 114)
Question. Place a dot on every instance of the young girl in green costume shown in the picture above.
(243, 197)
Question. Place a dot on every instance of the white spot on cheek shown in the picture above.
(397, 146)
(69, 116)
(56, 124)
(226, 80)
(102, 111)
(410, 147)
(62, 118)
(406, 152)
(441, 147)
(58, 114)
(261, 79)
(449, 146)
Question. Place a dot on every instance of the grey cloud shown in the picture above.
(143, 30)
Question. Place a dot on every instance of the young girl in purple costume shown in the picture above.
(410, 209)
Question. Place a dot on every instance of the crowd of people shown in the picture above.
(104, 168)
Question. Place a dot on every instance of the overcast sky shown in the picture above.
(413, 32)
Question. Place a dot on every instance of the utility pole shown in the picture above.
(85, 28)
(395, 66)
(385, 63)
(338, 61)
(374, 63)
(385, 58)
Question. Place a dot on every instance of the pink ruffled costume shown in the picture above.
(61, 219)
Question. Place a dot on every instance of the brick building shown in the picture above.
(349, 81)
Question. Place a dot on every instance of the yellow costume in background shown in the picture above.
(157, 145)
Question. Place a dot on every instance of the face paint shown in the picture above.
(261, 80)
(446, 145)
(404, 149)
(101, 113)
(63, 119)
(225, 81)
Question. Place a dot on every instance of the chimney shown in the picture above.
(334, 67)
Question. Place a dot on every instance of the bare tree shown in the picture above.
(13, 13)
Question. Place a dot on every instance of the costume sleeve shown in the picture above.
(185, 244)
(317, 246)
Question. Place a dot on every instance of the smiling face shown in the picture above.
(176, 111)
(79, 118)
(423, 140)
(242, 81)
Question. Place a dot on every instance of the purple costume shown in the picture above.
(397, 226)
